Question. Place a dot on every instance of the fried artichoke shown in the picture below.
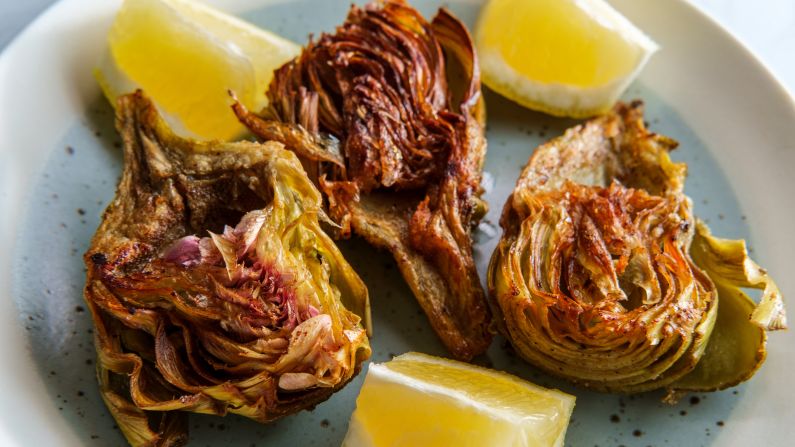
(396, 151)
(262, 319)
(604, 277)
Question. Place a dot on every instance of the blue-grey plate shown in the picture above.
(61, 161)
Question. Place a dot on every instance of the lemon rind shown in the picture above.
(553, 98)
(107, 74)
(357, 433)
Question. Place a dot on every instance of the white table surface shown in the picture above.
(767, 27)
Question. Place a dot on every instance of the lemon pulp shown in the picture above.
(417, 399)
(187, 56)
(566, 57)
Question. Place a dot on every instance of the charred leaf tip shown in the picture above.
(636, 103)
(99, 259)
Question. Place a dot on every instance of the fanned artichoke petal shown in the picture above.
(728, 264)
(736, 347)
(406, 175)
(604, 277)
(260, 316)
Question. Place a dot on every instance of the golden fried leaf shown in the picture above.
(261, 319)
(593, 277)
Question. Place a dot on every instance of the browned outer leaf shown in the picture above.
(216, 324)
(592, 276)
(413, 150)
(604, 277)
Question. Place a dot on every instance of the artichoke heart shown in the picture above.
(387, 117)
(262, 317)
(604, 277)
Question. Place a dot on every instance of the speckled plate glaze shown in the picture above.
(61, 160)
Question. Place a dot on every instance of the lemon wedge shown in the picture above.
(563, 57)
(186, 56)
(417, 399)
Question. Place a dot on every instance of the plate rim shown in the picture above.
(14, 192)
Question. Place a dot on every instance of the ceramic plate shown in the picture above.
(61, 160)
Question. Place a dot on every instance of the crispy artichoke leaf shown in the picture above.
(305, 144)
(380, 219)
(440, 228)
(604, 277)
(728, 264)
(613, 147)
(135, 425)
(253, 319)
(736, 347)
(379, 84)
(591, 277)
